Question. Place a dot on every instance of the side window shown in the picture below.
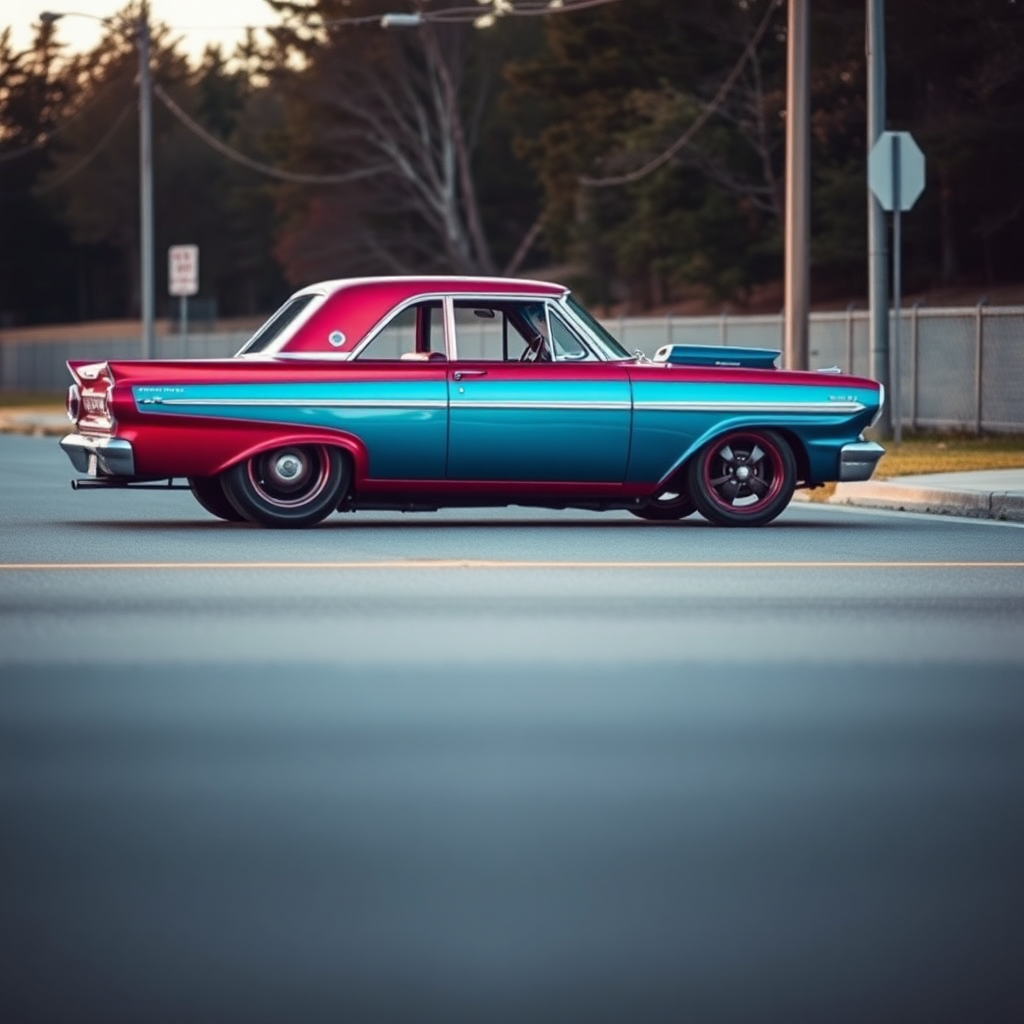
(277, 325)
(417, 332)
(484, 331)
(501, 331)
(568, 346)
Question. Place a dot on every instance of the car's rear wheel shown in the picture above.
(667, 506)
(209, 492)
(743, 478)
(297, 485)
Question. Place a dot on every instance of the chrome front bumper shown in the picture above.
(99, 456)
(857, 461)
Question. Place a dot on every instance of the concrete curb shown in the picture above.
(34, 422)
(975, 504)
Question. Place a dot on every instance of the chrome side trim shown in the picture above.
(462, 403)
(99, 456)
(302, 403)
(816, 408)
(857, 461)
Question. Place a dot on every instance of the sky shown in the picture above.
(198, 22)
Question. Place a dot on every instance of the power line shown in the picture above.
(501, 8)
(87, 159)
(495, 8)
(724, 89)
(254, 165)
(49, 134)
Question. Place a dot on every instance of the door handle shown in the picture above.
(459, 374)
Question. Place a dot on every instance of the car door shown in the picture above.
(513, 417)
(396, 396)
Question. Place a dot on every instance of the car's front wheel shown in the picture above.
(743, 478)
(209, 492)
(297, 485)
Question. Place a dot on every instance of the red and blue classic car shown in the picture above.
(419, 393)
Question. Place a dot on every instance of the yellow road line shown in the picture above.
(444, 563)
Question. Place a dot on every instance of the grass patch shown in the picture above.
(31, 400)
(940, 453)
(950, 453)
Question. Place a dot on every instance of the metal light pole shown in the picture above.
(146, 287)
(878, 282)
(798, 188)
(145, 183)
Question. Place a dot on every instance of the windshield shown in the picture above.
(610, 348)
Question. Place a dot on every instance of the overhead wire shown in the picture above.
(541, 7)
(51, 133)
(716, 101)
(49, 186)
(255, 165)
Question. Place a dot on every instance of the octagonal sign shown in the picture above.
(896, 170)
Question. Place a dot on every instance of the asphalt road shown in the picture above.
(505, 766)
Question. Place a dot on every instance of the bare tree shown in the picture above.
(403, 103)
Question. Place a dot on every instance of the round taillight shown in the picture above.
(73, 403)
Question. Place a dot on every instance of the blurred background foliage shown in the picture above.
(547, 145)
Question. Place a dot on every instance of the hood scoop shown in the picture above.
(718, 355)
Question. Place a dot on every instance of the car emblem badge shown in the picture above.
(336, 338)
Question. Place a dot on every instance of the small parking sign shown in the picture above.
(183, 269)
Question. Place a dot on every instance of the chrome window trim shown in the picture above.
(337, 357)
(447, 300)
(317, 298)
(557, 310)
(569, 310)
(388, 317)
(451, 344)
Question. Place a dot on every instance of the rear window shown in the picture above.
(272, 329)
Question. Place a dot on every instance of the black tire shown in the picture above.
(209, 492)
(666, 507)
(293, 486)
(743, 478)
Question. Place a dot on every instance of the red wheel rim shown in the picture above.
(743, 472)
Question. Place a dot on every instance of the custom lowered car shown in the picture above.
(419, 393)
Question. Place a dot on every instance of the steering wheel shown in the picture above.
(534, 351)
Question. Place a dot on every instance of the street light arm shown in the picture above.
(49, 17)
(412, 20)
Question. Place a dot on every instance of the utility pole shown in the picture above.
(878, 249)
(141, 33)
(146, 284)
(798, 188)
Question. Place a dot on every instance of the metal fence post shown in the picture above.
(914, 333)
(849, 337)
(979, 337)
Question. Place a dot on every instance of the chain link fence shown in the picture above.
(960, 368)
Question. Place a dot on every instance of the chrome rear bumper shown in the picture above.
(857, 461)
(99, 456)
